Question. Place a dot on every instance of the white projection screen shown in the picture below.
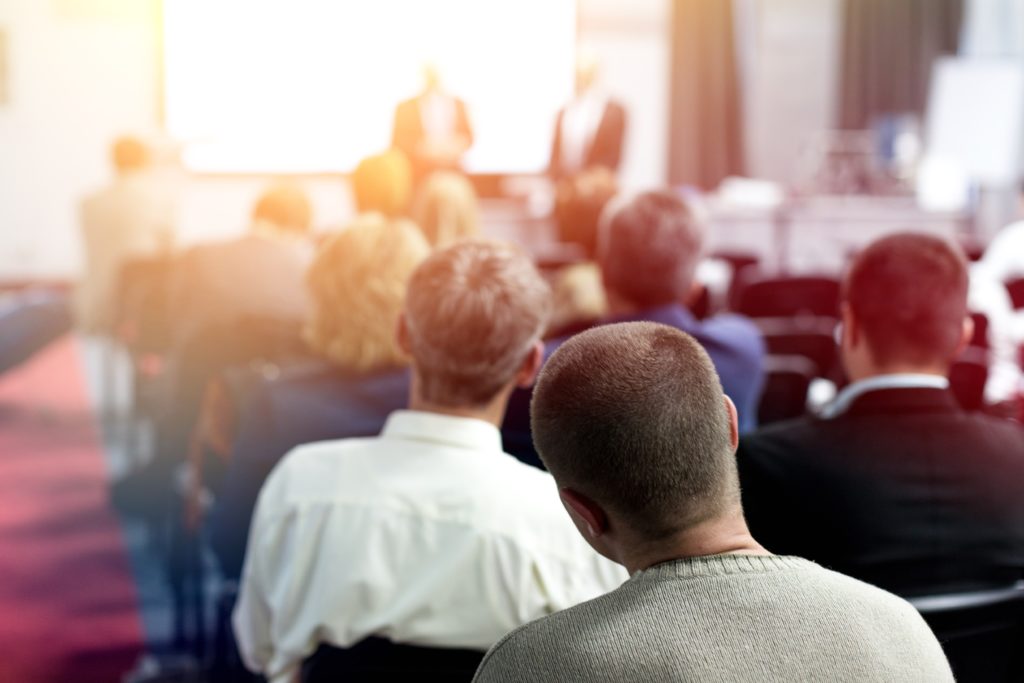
(310, 86)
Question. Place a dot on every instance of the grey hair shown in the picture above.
(649, 246)
(473, 312)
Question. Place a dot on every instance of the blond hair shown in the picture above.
(357, 283)
(446, 209)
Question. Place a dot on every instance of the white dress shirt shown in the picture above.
(428, 534)
(907, 380)
(580, 121)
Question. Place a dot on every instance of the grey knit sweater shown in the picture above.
(726, 618)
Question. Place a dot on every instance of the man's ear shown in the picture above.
(531, 366)
(734, 422)
(402, 334)
(585, 513)
(966, 335)
(851, 326)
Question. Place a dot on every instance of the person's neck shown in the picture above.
(862, 374)
(723, 535)
(493, 412)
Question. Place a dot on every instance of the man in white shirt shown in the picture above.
(428, 534)
(590, 129)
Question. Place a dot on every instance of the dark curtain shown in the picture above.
(705, 130)
(888, 50)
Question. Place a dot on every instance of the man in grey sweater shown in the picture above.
(632, 422)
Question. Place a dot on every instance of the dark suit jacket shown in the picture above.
(605, 147)
(904, 490)
(407, 133)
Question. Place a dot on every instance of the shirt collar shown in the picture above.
(854, 391)
(445, 430)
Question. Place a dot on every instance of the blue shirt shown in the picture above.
(733, 342)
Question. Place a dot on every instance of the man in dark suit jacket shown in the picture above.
(895, 484)
(432, 129)
(589, 130)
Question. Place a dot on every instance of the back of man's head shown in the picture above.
(285, 207)
(649, 247)
(633, 417)
(129, 154)
(908, 293)
(383, 183)
(474, 311)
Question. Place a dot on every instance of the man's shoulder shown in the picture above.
(735, 329)
(545, 642)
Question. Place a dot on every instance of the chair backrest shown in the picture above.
(1015, 288)
(787, 380)
(981, 632)
(789, 296)
(379, 659)
(968, 376)
(142, 319)
(810, 337)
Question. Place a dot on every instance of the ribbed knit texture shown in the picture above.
(726, 618)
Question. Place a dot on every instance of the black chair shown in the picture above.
(812, 338)
(1015, 288)
(787, 296)
(787, 380)
(981, 632)
(379, 659)
(968, 376)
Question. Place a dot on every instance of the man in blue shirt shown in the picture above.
(648, 248)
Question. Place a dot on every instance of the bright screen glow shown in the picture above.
(307, 86)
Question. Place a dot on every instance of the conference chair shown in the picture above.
(812, 338)
(982, 632)
(1015, 288)
(379, 659)
(787, 381)
(789, 296)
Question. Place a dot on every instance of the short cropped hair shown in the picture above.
(285, 206)
(649, 247)
(357, 284)
(383, 183)
(129, 154)
(909, 293)
(446, 209)
(473, 312)
(632, 415)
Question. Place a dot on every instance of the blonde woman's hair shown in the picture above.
(357, 283)
(446, 209)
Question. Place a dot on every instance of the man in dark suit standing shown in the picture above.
(895, 484)
(590, 129)
(432, 129)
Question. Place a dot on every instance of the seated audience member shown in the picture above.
(632, 422)
(579, 296)
(357, 377)
(895, 485)
(446, 209)
(131, 218)
(429, 534)
(648, 250)
(258, 274)
(383, 183)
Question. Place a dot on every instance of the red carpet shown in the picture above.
(68, 606)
